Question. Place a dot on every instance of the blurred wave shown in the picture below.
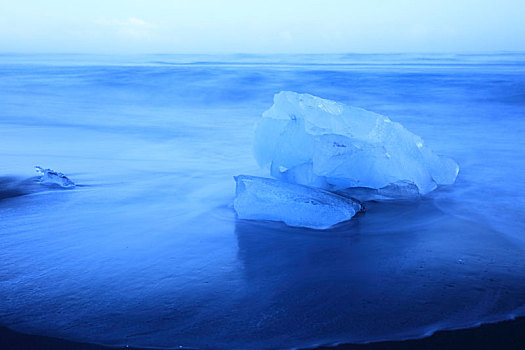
(149, 253)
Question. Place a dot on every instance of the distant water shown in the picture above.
(148, 252)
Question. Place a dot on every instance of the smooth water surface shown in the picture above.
(147, 250)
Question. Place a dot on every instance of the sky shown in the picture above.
(270, 26)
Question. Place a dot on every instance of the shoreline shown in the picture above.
(508, 334)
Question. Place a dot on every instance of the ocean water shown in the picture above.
(147, 250)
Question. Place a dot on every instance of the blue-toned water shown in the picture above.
(147, 250)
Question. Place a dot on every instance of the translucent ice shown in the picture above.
(399, 191)
(51, 177)
(260, 198)
(308, 140)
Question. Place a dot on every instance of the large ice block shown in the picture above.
(308, 140)
(260, 198)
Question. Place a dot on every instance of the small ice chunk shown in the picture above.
(51, 177)
(398, 191)
(404, 190)
(333, 146)
(260, 198)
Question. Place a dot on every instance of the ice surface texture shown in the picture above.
(308, 140)
(260, 198)
(51, 177)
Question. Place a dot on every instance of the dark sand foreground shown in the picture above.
(503, 335)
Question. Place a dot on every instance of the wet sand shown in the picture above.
(502, 335)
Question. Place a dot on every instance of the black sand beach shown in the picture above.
(503, 335)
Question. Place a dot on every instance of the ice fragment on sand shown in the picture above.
(260, 198)
(51, 177)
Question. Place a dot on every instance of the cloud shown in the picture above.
(131, 21)
(137, 21)
(130, 28)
